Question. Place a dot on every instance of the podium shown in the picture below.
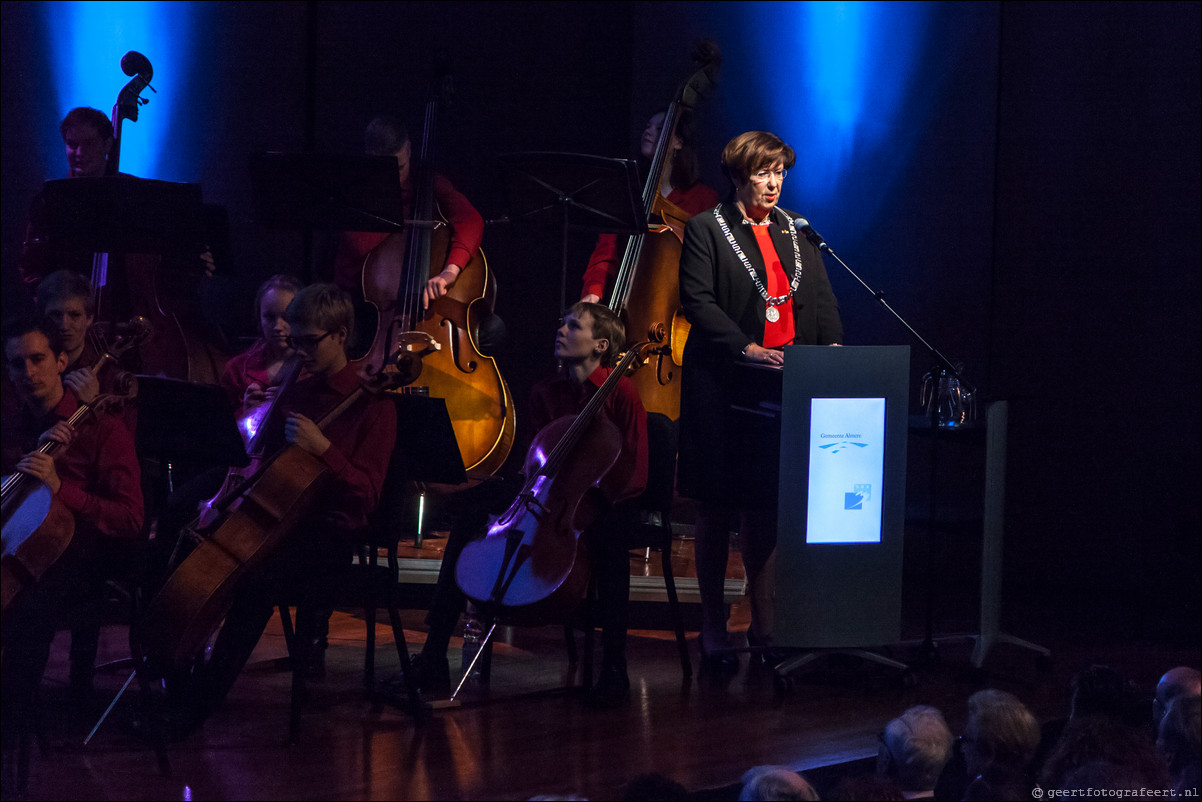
(841, 513)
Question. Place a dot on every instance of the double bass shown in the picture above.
(530, 568)
(646, 293)
(37, 528)
(435, 351)
(177, 349)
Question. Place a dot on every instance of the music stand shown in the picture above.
(426, 451)
(181, 420)
(123, 214)
(575, 190)
(334, 192)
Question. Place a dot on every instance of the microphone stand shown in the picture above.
(929, 652)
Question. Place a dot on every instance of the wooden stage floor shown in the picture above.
(528, 733)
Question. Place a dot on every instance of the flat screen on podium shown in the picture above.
(847, 466)
(841, 513)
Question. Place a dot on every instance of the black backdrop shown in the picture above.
(1040, 221)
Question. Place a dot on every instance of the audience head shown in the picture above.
(915, 747)
(1097, 752)
(1176, 682)
(654, 787)
(776, 782)
(1101, 691)
(1001, 735)
(1180, 739)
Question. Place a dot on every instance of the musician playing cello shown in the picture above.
(98, 480)
(588, 345)
(355, 448)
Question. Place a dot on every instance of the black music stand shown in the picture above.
(575, 190)
(123, 214)
(181, 421)
(426, 452)
(334, 192)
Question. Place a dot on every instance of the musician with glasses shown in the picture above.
(750, 284)
(355, 448)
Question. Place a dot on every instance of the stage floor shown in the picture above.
(528, 733)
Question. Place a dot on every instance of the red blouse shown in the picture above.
(780, 333)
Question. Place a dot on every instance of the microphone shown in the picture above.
(803, 225)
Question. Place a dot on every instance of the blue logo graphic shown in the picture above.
(835, 448)
(855, 499)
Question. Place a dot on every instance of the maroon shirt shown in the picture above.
(361, 443)
(101, 478)
(559, 395)
(603, 264)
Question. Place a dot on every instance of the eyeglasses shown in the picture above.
(763, 175)
(306, 343)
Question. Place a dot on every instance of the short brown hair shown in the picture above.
(324, 306)
(606, 326)
(752, 151)
(86, 115)
(62, 284)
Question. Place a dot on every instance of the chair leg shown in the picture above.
(402, 651)
(686, 664)
(590, 628)
(286, 625)
(369, 652)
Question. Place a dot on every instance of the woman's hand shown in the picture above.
(764, 356)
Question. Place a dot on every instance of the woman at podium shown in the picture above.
(749, 285)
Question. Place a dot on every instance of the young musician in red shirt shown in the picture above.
(356, 448)
(96, 477)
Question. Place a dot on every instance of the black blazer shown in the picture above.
(721, 301)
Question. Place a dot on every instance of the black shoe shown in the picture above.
(721, 663)
(611, 690)
(763, 652)
(433, 675)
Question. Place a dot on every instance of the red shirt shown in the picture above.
(780, 333)
(603, 264)
(559, 395)
(101, 478)
(361, 444)
(467, 230)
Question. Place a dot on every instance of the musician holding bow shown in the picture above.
(98, 480)
(355, 448)
(588, 345)
(749, 285)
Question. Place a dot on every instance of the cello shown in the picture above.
(37, 528)
(256, 517)
(646, 293)
(531, 568)
(438, 350)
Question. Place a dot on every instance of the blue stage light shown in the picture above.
(841, 89)
(87, 41)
